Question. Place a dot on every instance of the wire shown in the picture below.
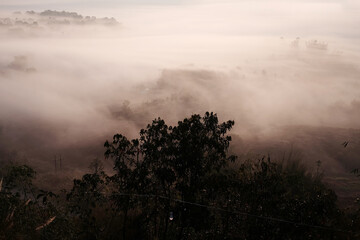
(238, 212)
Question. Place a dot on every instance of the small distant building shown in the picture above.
(315, 44)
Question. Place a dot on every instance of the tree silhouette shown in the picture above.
(169, 162)
(176, 182)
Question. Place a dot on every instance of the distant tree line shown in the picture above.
(176, 182)
(35, 19)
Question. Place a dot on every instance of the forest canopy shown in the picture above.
(176, 182)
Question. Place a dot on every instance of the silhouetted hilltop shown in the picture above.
(54, 17)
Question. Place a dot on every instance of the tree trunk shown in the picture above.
(124, 223)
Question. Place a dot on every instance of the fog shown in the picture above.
(287, 72)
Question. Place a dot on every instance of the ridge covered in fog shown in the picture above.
(36, 24)
(47, 17)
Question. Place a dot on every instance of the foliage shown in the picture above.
(176, 182)
(25, 210)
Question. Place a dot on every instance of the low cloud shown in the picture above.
(20, 63)
(66, 89)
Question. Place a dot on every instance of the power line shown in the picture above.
(238, 212)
